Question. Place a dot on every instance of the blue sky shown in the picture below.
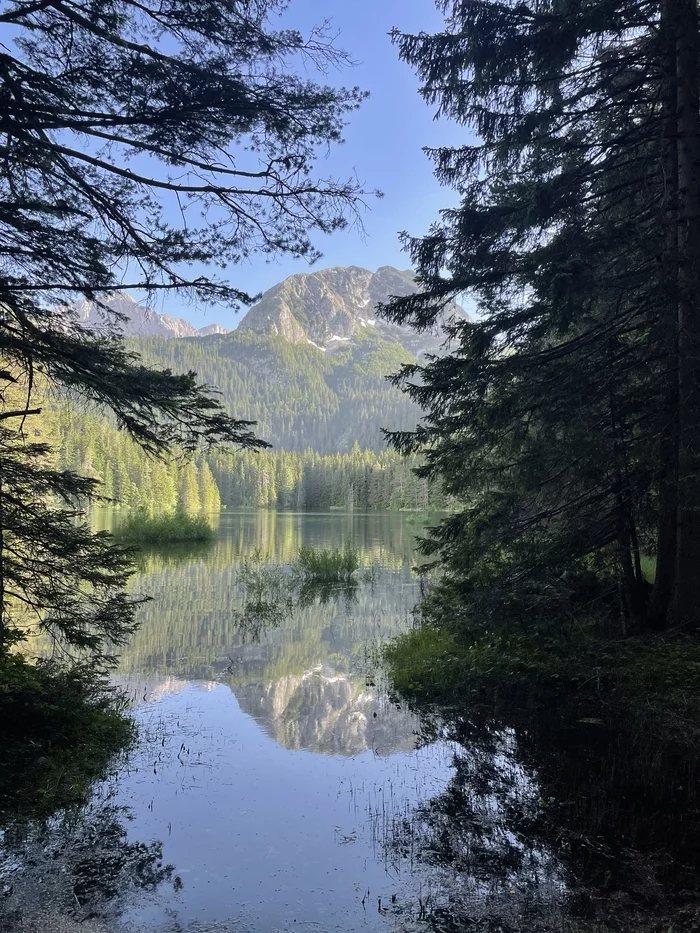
(383, 145)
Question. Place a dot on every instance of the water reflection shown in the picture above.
(79, 866)
(287, 788)
(325, 710)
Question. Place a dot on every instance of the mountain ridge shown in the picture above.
(331, 306)
(324, 309)
(137, 320)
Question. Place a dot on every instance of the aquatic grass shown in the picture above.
(169, 528)
(267, 597)
(328, 565)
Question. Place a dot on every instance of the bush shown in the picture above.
(328, 564)
(173, 528)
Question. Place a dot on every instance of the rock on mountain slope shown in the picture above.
(329, 307)
(325, 309)
(138, 320)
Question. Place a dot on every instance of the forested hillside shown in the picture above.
(309, 364)
(92, 446)
(361, 479)
(300, 396)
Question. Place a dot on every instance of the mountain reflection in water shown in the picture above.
(278, 787)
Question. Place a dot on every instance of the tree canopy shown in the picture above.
(567, 419)
(140, 144)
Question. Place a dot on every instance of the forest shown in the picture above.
(301, 399)
(362, 480)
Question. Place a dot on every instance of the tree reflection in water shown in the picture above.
(552, 823)
(77, 869)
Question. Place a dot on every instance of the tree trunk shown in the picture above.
(685, 607)
(666, 545)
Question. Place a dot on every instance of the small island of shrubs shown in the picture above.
(169, 528)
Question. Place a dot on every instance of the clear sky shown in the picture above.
(383, 145)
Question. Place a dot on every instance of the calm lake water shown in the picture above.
(277, 786)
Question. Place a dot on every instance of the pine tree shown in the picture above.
(567, 418)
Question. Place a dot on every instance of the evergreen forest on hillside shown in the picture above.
(299, 397)
(360, 479)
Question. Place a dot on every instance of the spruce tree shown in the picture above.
(566, 418)
(141, 143)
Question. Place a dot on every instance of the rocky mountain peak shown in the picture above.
(136, 320)
(330, 307)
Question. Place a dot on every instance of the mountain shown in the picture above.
(137, 320)
(328, 308)
(300, 397)
(309, 362)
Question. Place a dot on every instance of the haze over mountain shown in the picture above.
(138, 320)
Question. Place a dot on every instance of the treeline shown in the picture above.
(360, 480)
(92, 446)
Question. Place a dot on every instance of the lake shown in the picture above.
(277, 785)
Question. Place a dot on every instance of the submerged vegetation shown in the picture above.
(140, 528)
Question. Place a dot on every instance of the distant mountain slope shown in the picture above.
(138, 320)
(329, 307)
(300, 397)
(308, 363)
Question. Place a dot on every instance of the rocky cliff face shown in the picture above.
(137, 320)
(330, 307)
(326, 309)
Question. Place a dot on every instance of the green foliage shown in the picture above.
(328, 564)
(92, 446)
(59, 729)
(555, 417)
(55, 575)
(176, 528)
(299, 397)
(360, 479)
(268, 597)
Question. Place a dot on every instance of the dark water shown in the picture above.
(278, 787)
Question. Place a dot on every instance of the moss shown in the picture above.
(59, 729)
